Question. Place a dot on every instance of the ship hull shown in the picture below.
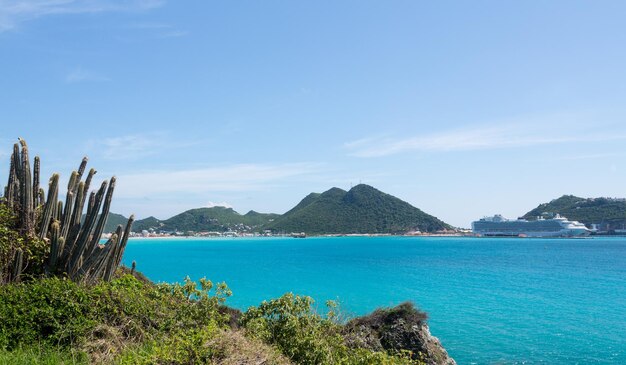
(530, 234)
(498, 226)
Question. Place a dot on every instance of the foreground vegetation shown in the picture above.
(132, 321)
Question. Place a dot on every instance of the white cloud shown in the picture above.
(13, 12)
(81, 75)
(222, 204)
(591, 156)
(131, 146)
(509, 134)
(137, 146)
(241, 177)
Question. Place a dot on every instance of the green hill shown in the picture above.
(216, 219)
(363, 209)
(112, 222)
(146, 224)
(607, 212)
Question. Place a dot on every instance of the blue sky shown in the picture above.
(464, 109)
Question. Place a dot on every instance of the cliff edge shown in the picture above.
(401, 328)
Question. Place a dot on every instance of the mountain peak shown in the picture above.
(362, 209)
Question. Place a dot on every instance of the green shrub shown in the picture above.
(129, 321)
(57, 311)
(51, 310)
(291, 324)
(183, 346)
(35, 250)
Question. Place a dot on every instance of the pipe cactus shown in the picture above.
(50, 205)
(18, 265)
(36, 191)
(75, 249)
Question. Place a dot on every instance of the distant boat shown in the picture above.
(498, 226)
(298, 235)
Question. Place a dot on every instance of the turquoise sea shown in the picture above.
(490, 301)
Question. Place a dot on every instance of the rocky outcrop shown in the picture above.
(401, 328)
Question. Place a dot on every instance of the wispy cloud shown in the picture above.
(81, 75)
(510, 134)
(137, 146)
(591, 156)
(222, 204)
(14, 12)
(131, 146)
(240, 177)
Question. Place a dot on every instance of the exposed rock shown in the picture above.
(402, 328)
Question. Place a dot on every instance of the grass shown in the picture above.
(42, 355)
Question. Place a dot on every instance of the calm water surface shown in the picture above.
(490, 301)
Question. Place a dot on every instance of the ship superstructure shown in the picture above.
(498, 226)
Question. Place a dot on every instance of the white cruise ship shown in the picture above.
(498, 226)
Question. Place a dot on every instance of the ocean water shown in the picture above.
(490, 301)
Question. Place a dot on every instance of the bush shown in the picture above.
(35, 250)
(52, 310)
(129, 321)
(59, 312)
(291, 324)
(182, 346)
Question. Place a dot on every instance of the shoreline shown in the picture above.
(311, 236)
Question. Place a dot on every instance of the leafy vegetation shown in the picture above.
(35, 250)
(603, 211)
(363, 209)
(291, 324)
(130, 321)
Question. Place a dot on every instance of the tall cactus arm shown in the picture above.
(58, 212)
(89, 177)
(81, 170)
(75, 221)
(17, 161)
(27, 212)
(9, 192)
(50, 206)
(119, 250)
(42, 197)
(18, 265)
(36, 164)
(55, 246)
(85, 232)
(66, 221)
(103, 217)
